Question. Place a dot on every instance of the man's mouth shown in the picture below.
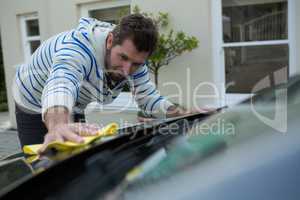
(116, 76)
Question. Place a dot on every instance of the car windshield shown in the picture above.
(209, 142)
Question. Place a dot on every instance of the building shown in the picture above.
(241, 41)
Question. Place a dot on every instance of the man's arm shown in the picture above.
(149, 99)
(147, 96)
(61, 93)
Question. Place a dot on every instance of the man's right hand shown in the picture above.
(69, 132)
(57, 121)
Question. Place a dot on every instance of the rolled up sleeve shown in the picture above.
(63, 84)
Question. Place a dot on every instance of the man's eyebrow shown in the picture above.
(126, 57)
(137, 63)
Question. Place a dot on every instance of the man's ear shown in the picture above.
(109, 41)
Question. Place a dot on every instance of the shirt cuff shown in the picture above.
(161, 111)
(59, 99)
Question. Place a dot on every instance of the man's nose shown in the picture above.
(126, 67)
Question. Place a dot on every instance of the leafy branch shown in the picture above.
(170, 43)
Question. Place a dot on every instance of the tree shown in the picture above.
(170, 43)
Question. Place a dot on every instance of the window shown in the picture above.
(109, 11)
(255, 41)
(111, 15)
(30, 34)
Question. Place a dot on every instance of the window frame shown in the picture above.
(86, 8)
(25, 38)
(219, 46)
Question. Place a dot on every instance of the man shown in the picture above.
(90, 63)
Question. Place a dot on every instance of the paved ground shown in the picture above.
(8, 138)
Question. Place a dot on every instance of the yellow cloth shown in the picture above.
(108, 130)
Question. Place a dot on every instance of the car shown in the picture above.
(247, 151)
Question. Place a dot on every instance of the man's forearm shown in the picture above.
(56, 115)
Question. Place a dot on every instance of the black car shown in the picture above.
(248, 151)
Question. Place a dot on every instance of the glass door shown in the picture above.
(255, 42)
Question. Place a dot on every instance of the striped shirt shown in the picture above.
(68, 70)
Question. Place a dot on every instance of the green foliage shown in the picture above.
(3, 107)
(2, 80)
(170, 43)
(123, 11)
(3, 97)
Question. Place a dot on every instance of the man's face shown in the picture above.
(123, 60)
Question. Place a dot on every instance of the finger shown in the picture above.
(140, 119)
(84, 129)
(87, 132)
(94, 126)
(143, 119)
(201, 110)
(49, 137)
(90, 129)
(74, 126)
(73, 137)
(208, 109)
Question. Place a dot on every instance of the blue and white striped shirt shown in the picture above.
(68, 70)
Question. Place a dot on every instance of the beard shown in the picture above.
(115, 76)
(112, 72)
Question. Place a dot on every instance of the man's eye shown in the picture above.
(137, 64)
(124, 57)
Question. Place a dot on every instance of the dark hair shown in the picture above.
(140, 29)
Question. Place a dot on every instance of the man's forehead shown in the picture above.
(128, 49)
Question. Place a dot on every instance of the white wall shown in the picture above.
(192, 17)
(11, 39)
(52, 20)
(297, 35)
